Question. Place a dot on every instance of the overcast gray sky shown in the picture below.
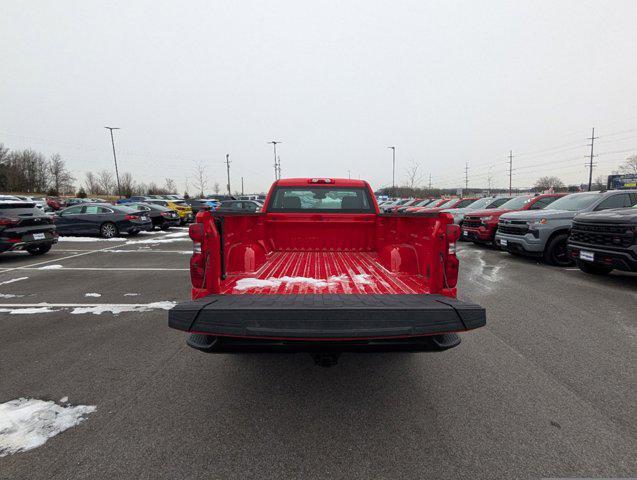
(336, 81)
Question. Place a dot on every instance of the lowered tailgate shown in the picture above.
(327, 316)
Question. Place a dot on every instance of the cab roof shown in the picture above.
(321, 181)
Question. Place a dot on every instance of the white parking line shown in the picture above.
(59, 259)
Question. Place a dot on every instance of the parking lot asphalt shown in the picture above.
(546, 389)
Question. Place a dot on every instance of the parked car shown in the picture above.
(180, 206)
(307, 275)
(101, 219)
(450, 203)
(74, 201)
(239, 206)
(198, 204)
(221, 198)
(133, 199)
(162, 217)
(479, 226)
(9, 198)
(603, 241)
(54, 203)
(480, 204)
(23, 226)
(544, 233)
(40, 202)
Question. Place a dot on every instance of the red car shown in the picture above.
(480, 226)
(320, 270)
(442, 205)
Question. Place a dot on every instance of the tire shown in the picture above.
(594, 269)
(40, 249)
(556, 253)
(132, 233)
(109, 230)
(165, 226)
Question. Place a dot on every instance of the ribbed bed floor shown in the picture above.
(305, 272)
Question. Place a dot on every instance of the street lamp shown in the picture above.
(277, 166)
(393, 171)
(119, 191)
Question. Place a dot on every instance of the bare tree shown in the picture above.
(216, 188)
(61, 179)
(547, 183)
(171, 186)
(127, 184)
(92, 184)
(599, 183)
(414, 177)
(200, 182)
(629, 166)
(105, 180)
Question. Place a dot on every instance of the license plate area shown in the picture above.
(504, 242)
(587, 256)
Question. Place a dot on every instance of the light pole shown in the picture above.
(277, 167)
(393, 171)
(119, 191)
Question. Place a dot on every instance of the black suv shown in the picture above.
(23, 226)
(602, 241)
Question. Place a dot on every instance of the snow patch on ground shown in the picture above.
(6, 282)
(119, 308)
(26, 424)
(9, 295)
(92, 294)
(51, 267)
(27, 311)
(159, 240)
(131, 294)
(272, 282)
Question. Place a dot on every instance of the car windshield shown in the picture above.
(448, 203)
(480, 203)
(122, 209)
(498, 202)
(574, 202)
(516, 203)
(320, 199)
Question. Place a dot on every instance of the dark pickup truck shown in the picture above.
(603, 241)
(320, 270)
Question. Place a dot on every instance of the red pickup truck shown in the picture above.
(320, 269)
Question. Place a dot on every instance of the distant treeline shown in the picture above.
(28, 171)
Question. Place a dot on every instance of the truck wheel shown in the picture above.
(108, 230)
(555, 252)
(594, 269)
(165, 226)
(39, 250)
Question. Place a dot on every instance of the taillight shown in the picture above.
(451, 262)
(197, 261)
(8, 221)
(131, 217)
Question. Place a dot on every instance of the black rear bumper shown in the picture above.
(325, 318)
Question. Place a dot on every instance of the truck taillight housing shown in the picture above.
(197, 261)
(451, 261)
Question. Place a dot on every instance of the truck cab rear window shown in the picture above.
(320, 199)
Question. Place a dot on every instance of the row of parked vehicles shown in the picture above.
(33, 224)
(595, 230)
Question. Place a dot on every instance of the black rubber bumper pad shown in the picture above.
(331, 316)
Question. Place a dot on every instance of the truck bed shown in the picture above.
(318, 272)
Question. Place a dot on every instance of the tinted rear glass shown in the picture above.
(321, 199)
(17, 206)
(498, 202)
